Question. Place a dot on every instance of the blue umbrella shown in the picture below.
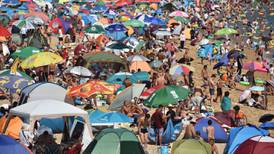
(223, 61)
(118, 78)
(142, 76)
(110, 13)
(11, 2)
(155, 21)
(10, 145)
(108, 118)
(116, 27)
(100, 8)
(116, 35)
(14, 83)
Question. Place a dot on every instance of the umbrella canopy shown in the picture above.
(99, 118)
(14, 83)
(118, 46)
(156, 63)
(137, 58)
(254, 66)
(257, 88)
(93, 87)
(23, 24)
(167, 95)
(9, 145)
(134, 23)
(104, 57)
(8, 72)
(204, 42)
(178, 13)
(142, 76)
(226, 31)
(120, 77)
(150, 91)
(4, 32)
(182, 19)
(81, 71)
(142, 65)
(116, 27)
(178, 70)
(35, 20)
(95, 29)
(25, 52)
(41, 59)
(266, 117)
(40, 15)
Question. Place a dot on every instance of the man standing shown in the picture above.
(182, 40)
(204, 75)
(157, 121)
(211, 85)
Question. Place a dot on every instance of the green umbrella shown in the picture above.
(95, 29)
(4, 20)
(24, 53)
(181, 19)
(100, 3)
(134, 23)
(167, 95)
(218, 43)
(118, 46)
(226, 31)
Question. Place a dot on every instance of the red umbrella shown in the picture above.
(123, 3)
(4, 32)
(150, 91)
(255, 66)
(55, 24)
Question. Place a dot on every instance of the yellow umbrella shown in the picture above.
(124, 18)
(41, 59)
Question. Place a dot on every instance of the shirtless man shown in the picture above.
(210, 130)
(219, 90)
(204, 75)
(211, 85)
(160, 81)
(190, 132)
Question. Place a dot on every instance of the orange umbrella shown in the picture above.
(92, 87)
(144, 66)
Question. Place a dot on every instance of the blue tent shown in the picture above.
(9, 145)
(220, 134)
(98, 117)
(169, 135)
(267, 125)
(240, 134)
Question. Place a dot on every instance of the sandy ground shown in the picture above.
(253, 114)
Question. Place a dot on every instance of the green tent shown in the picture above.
(191, 146)
(115, 141)
(167, 95)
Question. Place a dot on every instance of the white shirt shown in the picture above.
(182, 37)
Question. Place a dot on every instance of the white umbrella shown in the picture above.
(244, 95)
(137, 58)
(81, 71)
(35, 20)
(204, 42)
(161, 33)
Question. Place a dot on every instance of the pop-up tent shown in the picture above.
(36, 110)
(115, 141)
(42, 90)
(191, 146)
(239, 135)
(9, 145)
(202, 124)
(258, 144)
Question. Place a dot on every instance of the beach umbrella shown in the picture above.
(35, 20)
(25, 52)
(266, 118)
(137, 58)
(116, 27)
(4, 32)
(100, 8)
(9, 145)
(178, 14)
(8, 72)
(14, 83)
(134, 23)
(161, 33)
(81, 71)
(41, 59)
(40, 15)
(92, 87)
(155, 21)
(118, 46)
(16, 38)
(58, 22)
(181, 19)
(120, 77)
(23, 23)
(142, 65)
(121, 3)
(204, 42)
(167, 95)
(226, 31)
(141, 76)
(254, 66)
(95, 29)
(156, 63)
(223, 61)
(4, 19)
(145, 94)
(11, 2)
(177, 70)
(257, 88)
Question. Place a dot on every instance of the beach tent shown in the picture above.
(170, 134)
(42, 90)
(257, 145)
(220, 134)
(126, 95)
(14, 127)
(191, 146)
(9, 145)
(115, 141)
(36, 110)
(239, 135)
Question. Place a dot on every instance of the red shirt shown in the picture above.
(157, 118)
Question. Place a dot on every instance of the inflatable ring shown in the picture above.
(244, 83)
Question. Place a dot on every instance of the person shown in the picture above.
(157, 121)
(190, 132)
(226, 102)
(240, 118)
(143, 124)
(182, 40)
(219, 90)
(210, 130)
(214, 148)
(204, 75)
(211, 85)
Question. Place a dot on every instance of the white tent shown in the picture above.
(36, 110)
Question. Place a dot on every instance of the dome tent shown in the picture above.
(191, 146)
(114, 141)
